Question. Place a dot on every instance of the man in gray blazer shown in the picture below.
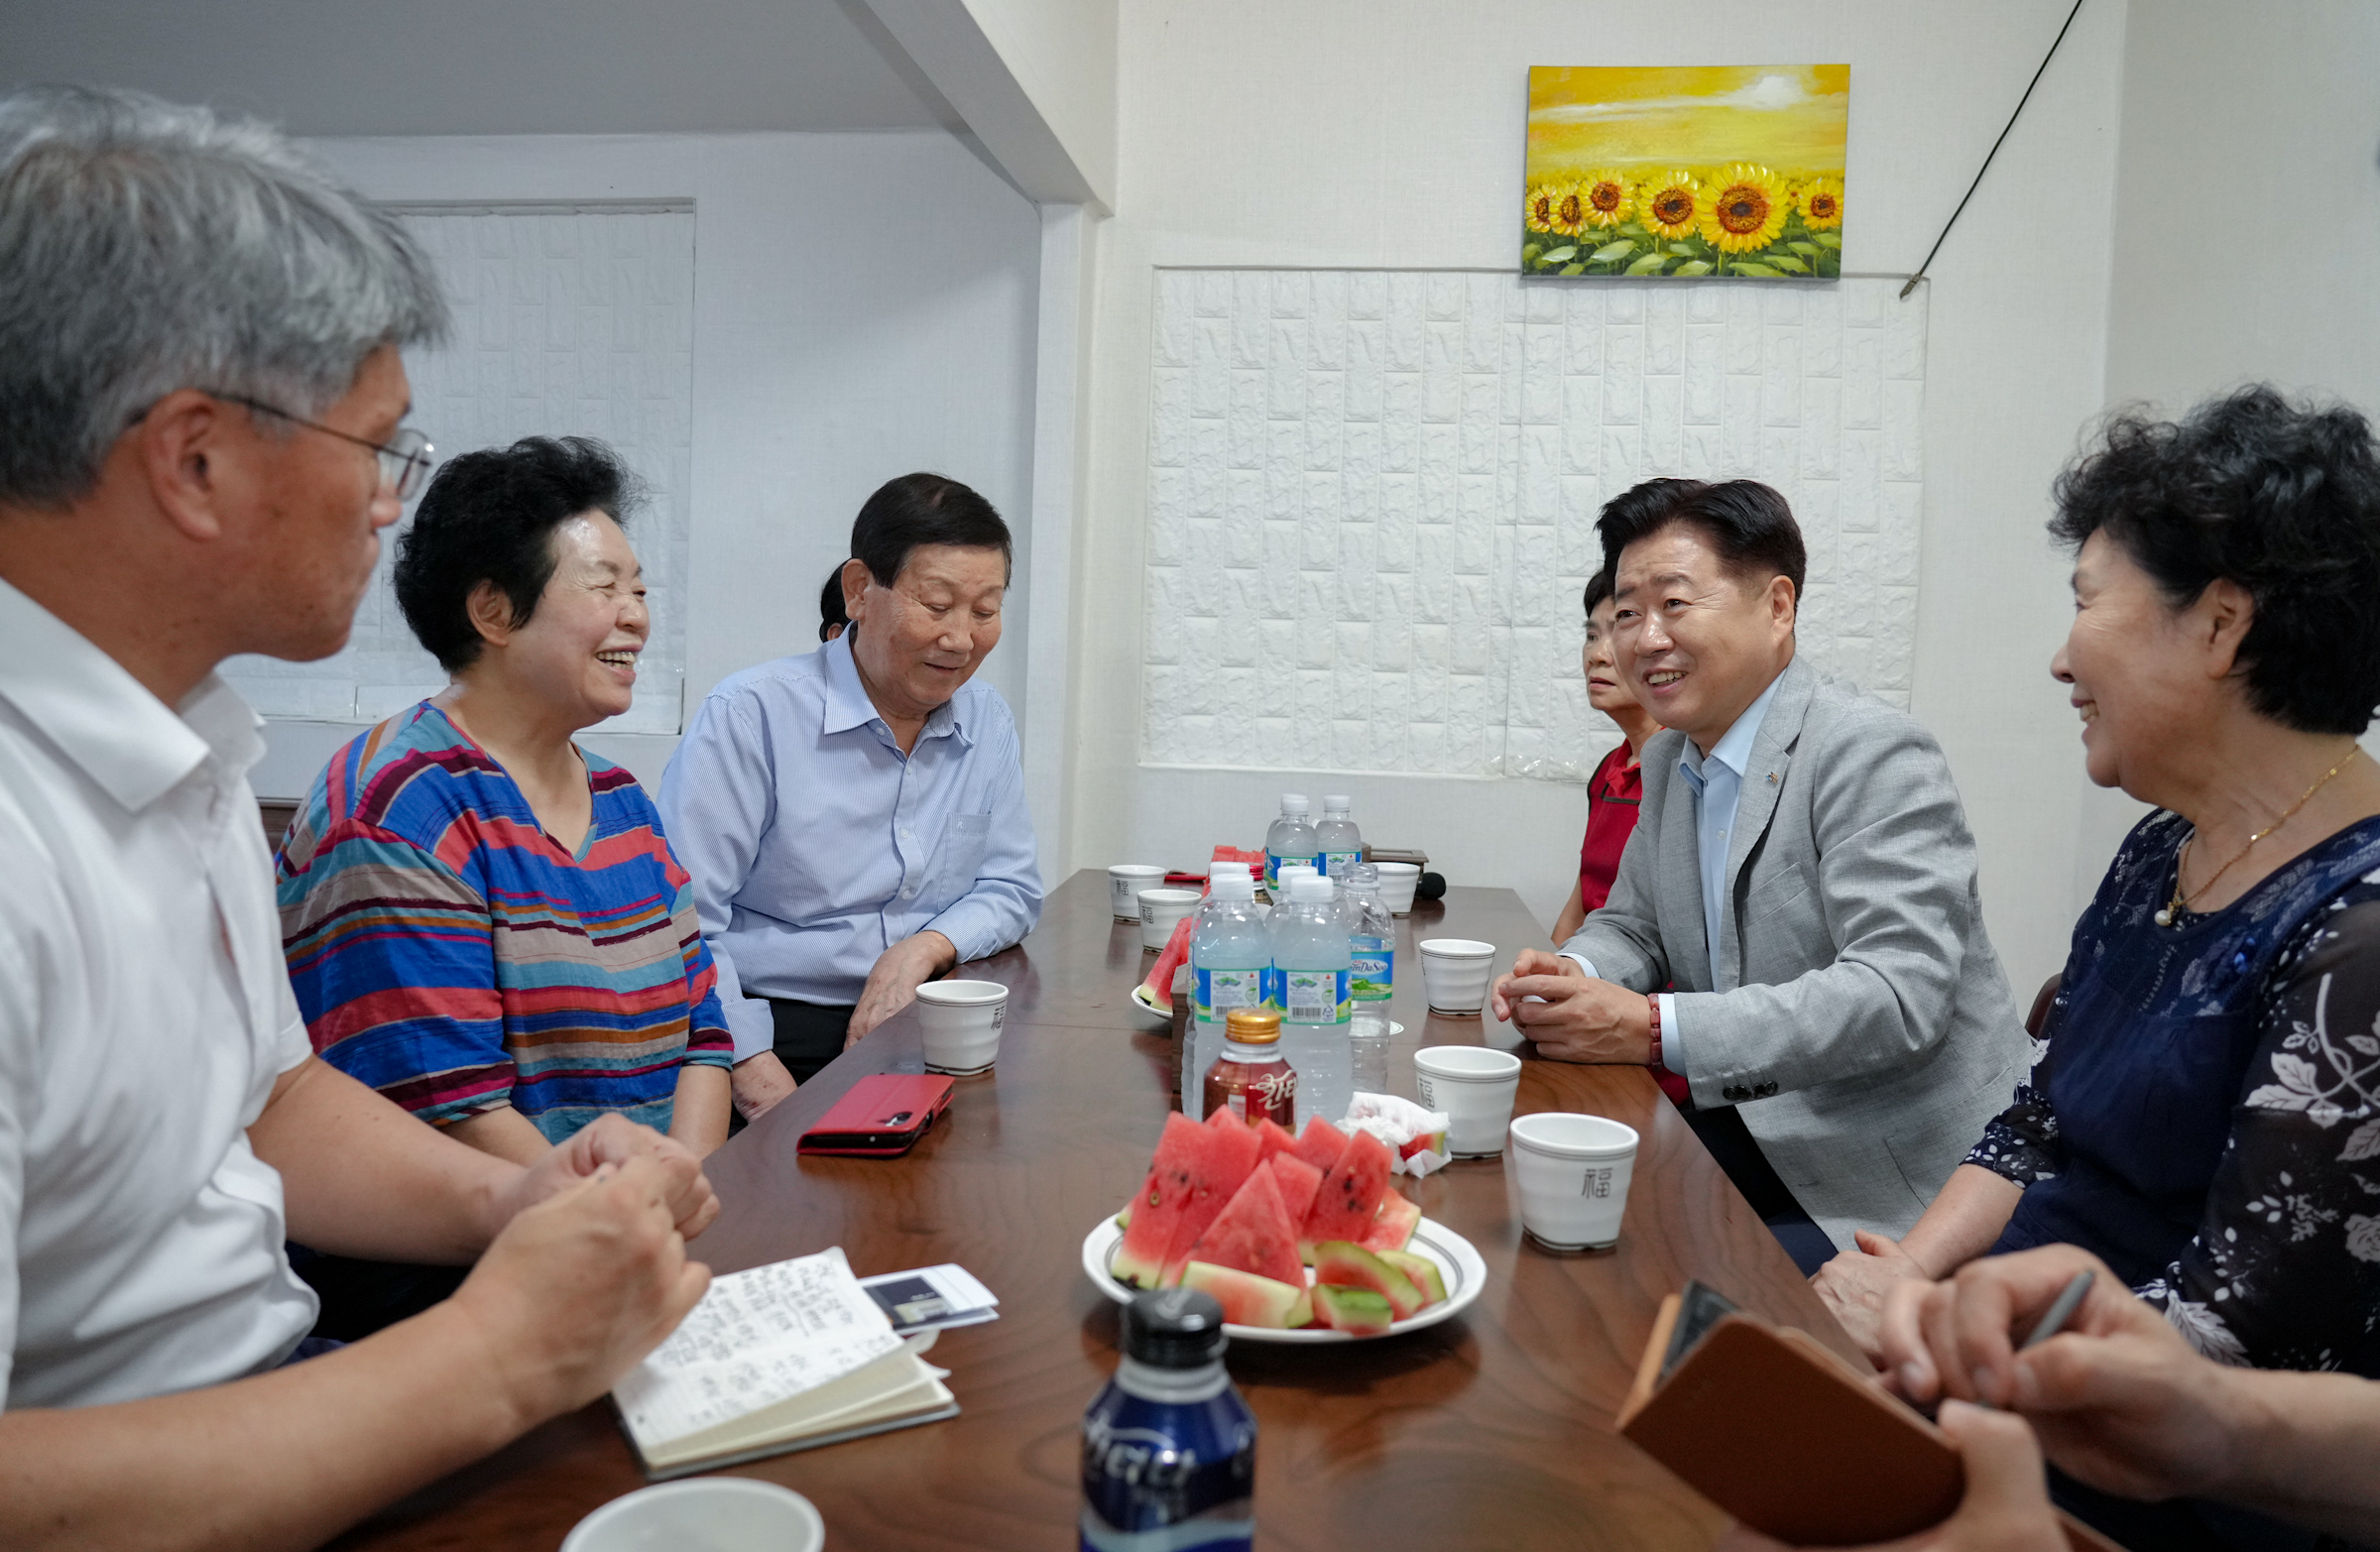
(1795, 927)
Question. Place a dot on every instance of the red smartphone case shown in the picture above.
(882, 1117)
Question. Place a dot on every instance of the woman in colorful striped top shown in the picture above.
(483, 922)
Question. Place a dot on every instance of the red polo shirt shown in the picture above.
(1613, 794)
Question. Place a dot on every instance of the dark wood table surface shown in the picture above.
(1491, 1430)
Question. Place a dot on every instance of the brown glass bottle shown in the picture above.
(1249, 1078)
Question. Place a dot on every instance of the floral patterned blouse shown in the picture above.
(2204, 1112)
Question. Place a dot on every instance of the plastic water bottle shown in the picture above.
(1291, 872)
(1337, 844)
(1372, 975)
(1230, 966)
(1231, 951)
(1310, 966)
(1169, 1448)
(1291, 838)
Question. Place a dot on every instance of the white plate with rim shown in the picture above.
(1457, 1263)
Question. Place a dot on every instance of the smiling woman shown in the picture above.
(481, 921)
(2204, 1109)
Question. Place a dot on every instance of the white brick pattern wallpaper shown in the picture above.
(566, 322)
(1373, 498)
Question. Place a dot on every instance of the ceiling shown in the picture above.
(487, 67)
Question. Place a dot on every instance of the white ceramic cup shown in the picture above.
(1456, 973)
(1160, 911)
(703, 1514)
(1125, 880)
(1475, 1087)
(962, 1021)
(1397, 882)
(1573, 1172)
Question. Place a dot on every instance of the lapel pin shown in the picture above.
(1772, 779)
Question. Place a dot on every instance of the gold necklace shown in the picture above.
(2181, 903)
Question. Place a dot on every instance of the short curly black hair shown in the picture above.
(2280, 497)
(488, 517)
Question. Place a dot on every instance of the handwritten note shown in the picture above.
(756, 1338)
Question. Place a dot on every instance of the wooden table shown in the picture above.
(1492, 1430)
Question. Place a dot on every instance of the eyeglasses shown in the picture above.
(405, 459)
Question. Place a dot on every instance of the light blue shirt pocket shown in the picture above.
(958, 857)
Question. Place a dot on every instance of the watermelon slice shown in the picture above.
(1248, 1299)
(1350, 1195)
(1156, 1210)
(1252, 1233)
(1254, 860)
(1221, 1160)
(1393, 1229)
(1320, 1143)
(1358, 1312)
(1271, 1139)
(1159, 985)
(1296, 1179)
(1339, 1265)
(1423, 1271)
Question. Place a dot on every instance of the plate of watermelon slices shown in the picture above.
(1301, 1240)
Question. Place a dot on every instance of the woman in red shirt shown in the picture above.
(1617, 785)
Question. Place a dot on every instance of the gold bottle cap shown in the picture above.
(1251, 1027)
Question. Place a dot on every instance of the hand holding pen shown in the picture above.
(2117, 1398)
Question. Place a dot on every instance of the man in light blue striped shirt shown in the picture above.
(855, 817)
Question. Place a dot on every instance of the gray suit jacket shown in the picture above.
(1854, 1011)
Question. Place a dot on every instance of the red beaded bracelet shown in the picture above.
(1652, 1003)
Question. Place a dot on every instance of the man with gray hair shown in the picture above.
(200, 407)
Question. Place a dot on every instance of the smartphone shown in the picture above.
(881, 1116)
(1700, 1308)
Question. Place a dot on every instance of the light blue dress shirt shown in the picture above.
(815, 844)
(1717, 781)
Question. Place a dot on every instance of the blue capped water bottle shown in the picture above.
(1170, 1449)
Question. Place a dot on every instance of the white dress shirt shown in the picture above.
(1717, 781)
(815, 844)
(144, 1014)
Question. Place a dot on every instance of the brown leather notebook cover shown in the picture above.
(1780, 1432)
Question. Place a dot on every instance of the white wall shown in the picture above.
(1388, 133)
(864, 306)
(1063, 54)
(2272, 107)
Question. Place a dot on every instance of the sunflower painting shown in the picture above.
(1718, 171)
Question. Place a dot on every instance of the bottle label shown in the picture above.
(1225, 1528)
(1334, 865)
(1221, 990)
(1274, 862)
(1372, 978)
(1314, 997)
(1168, 1478)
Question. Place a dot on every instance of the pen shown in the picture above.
(2062, 1309)
(2052, 1320)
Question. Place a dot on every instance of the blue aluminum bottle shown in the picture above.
(1170, 1449)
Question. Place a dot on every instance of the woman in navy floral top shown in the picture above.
(2204, 1112)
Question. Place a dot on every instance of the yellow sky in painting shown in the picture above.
(1791, 117)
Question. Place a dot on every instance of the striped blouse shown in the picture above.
(450, 953)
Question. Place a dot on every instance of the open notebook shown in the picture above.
(786, 1357)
